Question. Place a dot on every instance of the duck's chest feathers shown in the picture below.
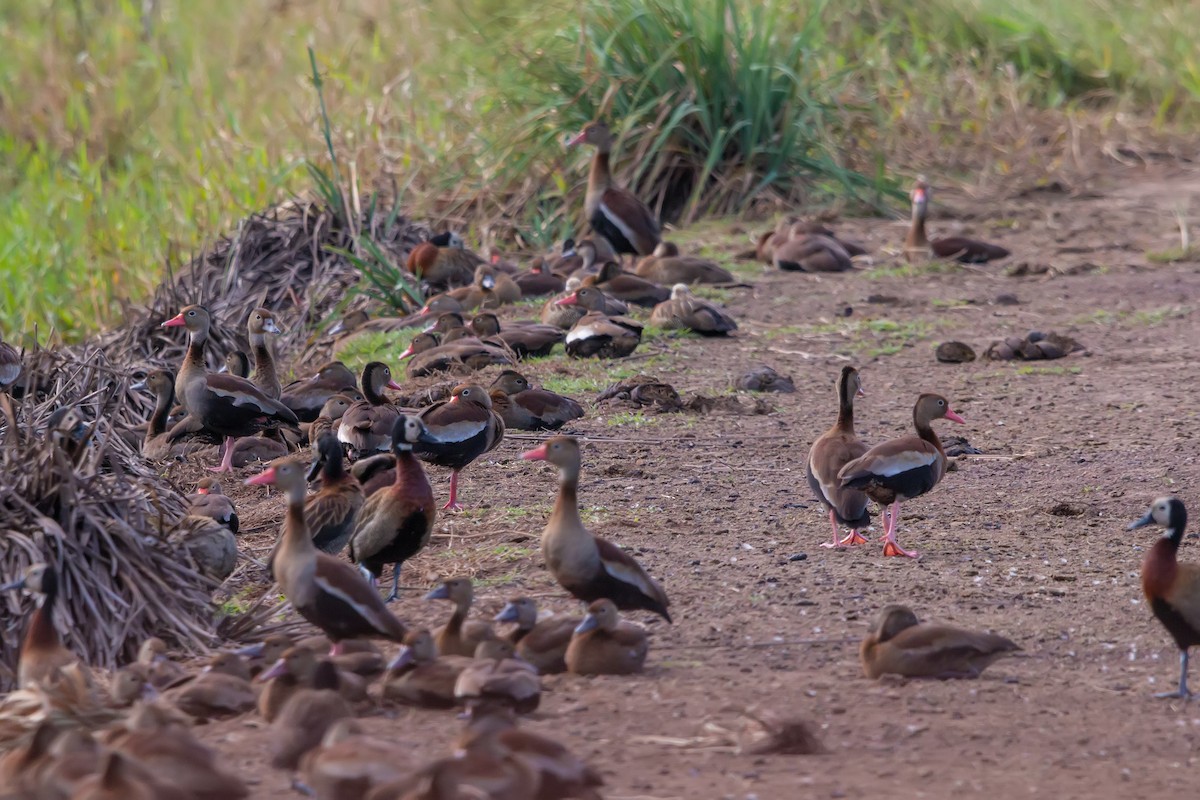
(573, 554)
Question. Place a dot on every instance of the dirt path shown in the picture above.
(715, 506)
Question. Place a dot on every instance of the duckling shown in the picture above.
(605, 645)
(685, 310)
(898, 644)
(347, 764)
(22, 767)
(74, 756)
(297, 669)
(1172, 589)
(221, 689)
(120, 777)
(161, 671)
(459, 637)
(209, 501)
(543, 644)
(261, 656)
(477, 773)
(499, 676)
(418, 676)
(306, 716)
(210, 544)
(130, 684)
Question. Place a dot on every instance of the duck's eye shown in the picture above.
(466, 392)
(191, 313)
(941, 402)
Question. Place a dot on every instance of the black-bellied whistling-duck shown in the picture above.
(570, 263)
(903, 468)
(348, 763)
(367, 425)
(430, 356)
(525, 340)
(811, 253)
(918, 247)
(307, 396)
(229, 406)
(10, 364)
(237, 364)
(605, 645)
(449, 325)
(211, 545)
(208, 501)
(563, 315)
(162, 743)
(463, 428)
(899, 644)
(685, 310)
(325, 591)
(833, 450)
(329, 420)
(332, 510)
(597, 335)
(459, 636)
(48, 762)
(500, 288)
(593, 299)
(562, 773)
(307, 714)
(120, 777)
(260, 323)
(1172, 589)
(221, 689)
(157, 443)
(615, 213)
(418, 676)
(588, 567)
(253, 449)
(496, 675)
(665, 266)
(527, 409)
(43, 656)
(397, 521)
(626, 286)
(543, 644)
(538, 280)
(443, 261)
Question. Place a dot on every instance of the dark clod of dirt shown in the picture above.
(642, 392)
(959, 446)
(1035, 346)
(883, 299)
(1066, 510)
(703, 404)
(1007, 299)
(844, 312)
(798, 557)
(792, 737)
(954, 353)
(765, 379)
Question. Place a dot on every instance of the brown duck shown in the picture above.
(543, 644)
(430, 356)
(596, 335)
(918, 247)
(443, 262)
(527, 409)
(304, 718)
(308, 396)
(418, 676)
(615, 213)
(496, 675)
(461, 430)
(260, 323)
(535, 340)
(685, 310)
(459, 636)
(833, 450)
(588, 567)
(367, 425)
(619, 284)
(209, 501)
(666, 267)
(605, 645)
(900, 645)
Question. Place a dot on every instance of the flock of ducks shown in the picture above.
(345, 522)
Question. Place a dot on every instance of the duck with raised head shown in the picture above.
(542, 643)
(918, 247)
(449, 326)
(666, 267)
(260, 323)
(237, 364)
(160, 671)
(498, 676)
(462, 428)
(327, 592)
(527, 341)
(525, 408)
(418, 676)
(615, 282)
(430, 356)
(329, 420)
(157, 443)
(562, 773)
(367, 425)
(307, 714)
(900, 469)
(597, 335)
(331, 511)
(308, 396)
(588, 567)
(1172, 589)
(898, 644)
(459, 636)
(229, 406)
(396, 522)
(603, 644)
(209, 501)
(443, 262)
(615, 213)
(685, 310)
(833, 450)
(43, 659)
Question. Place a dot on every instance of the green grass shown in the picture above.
(635, 419)
(912, 270)
(1049, 370)
(386, 347)
(1147, 318)
(128, 143)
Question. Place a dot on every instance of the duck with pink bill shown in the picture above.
(900, 469)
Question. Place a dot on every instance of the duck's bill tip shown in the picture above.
(950, 415)
(536, 454)
(264, 478)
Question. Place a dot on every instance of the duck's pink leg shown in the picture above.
(837, 543)
(452, 504)
(227, 458)
(890, 546)
(854, 538)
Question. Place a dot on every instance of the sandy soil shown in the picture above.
(1028, 540)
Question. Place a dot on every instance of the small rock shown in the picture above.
(844, 312)
(799, 557)
(765, 379)
(954, 353)
(1006, 299)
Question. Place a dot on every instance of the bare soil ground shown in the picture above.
(1028, 540)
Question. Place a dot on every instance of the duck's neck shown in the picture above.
(566, 507)
(333, 469)
(264, 362)
(845, 417)
(295, 542)
(916, 234)
(1161, 566)
(600, 177)
(193, 362)
(41, 633)
(408, 469)
(461, 609)
(371, 393)
(926, 432)
(162, 409)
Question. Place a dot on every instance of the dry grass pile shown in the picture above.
(76, 493)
